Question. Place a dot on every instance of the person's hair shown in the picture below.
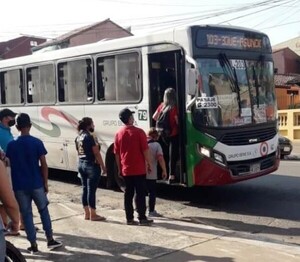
(153, 133)
(170, 97)
(84, 123)
(23, 121)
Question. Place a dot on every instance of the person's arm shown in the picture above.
(157, 113)
(118, 161)
(148, 159)
(8, 199)
(44, 170)
(98, 157)
(162, 164)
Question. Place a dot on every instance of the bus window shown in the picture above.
(75, 81)
(128, 77)
(41, 84)
(109, 73)
(14, 80)
(118, 78)
(2, 88)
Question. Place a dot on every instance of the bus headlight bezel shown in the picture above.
(212, 154)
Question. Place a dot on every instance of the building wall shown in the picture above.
(20, 46)
(279, 61)
(287, 97)
(286, 62)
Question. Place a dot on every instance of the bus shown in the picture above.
(224, 81)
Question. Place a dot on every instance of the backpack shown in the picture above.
(163, 125)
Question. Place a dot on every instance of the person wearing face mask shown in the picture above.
(7, 120)
(90, 163)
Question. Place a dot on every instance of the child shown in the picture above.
(156, 154)
(30, 181)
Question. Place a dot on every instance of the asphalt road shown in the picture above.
(268, 206)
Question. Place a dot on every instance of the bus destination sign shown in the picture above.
(229, 41)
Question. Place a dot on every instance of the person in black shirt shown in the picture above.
(90, 164)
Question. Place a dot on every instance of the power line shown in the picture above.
(185, 18)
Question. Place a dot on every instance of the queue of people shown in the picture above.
(137, 156)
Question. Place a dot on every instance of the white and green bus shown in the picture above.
(223, 77)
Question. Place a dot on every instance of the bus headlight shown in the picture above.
(214, 155)
(204, 151)
(218, 157)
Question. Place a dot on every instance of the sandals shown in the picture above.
(98, 218)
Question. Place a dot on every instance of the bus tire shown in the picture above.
(13, 254)
(113, 179)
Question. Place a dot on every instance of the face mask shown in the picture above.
(11, 122)
(92, 130)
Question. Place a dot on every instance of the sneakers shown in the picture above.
(52, 244)
(132, 222)
(33, 249)
(146, 222)
(142, 222)
(154, 214)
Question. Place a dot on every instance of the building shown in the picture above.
(19, 46)
(287, 77)
(100, 31)
(293, 44)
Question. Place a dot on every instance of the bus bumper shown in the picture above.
(209, 173)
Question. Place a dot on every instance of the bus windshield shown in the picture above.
(234, 92)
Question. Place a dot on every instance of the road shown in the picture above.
(268, 206)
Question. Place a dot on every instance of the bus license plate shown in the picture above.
(255, 168)
(286, 149)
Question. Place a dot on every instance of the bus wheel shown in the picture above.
(113, 179)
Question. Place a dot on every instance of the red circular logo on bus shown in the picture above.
(264, 148)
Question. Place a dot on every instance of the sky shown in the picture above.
(279, 19)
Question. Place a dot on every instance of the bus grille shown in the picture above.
(242, 168)
(244, 137)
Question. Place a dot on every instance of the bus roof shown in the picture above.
(168, 36)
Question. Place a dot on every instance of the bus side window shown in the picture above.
(100, 80)
(61, 83)
(106, 79)
(128, 77)
(2, 88)
(41, 84)
(75, 81)
(12, 87)
(109, 75)
(89, 81)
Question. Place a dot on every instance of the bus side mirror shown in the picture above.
(192, 81)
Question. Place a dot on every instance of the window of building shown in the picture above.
(41, 84)
(118, 78)
(33, 43)
(75, 81)
(11, 85)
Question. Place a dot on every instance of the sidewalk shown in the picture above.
(166, 240)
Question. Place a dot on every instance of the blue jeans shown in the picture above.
(40, 199)
(2, 245)
(90, 176)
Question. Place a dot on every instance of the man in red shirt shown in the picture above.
(133, 159)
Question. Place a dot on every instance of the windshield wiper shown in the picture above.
(256, 85)
(231, 72)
